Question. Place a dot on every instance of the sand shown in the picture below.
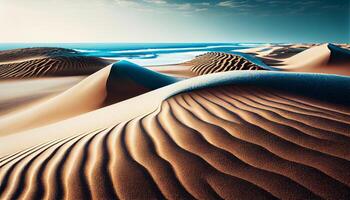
(221, 126)
(101, 89)
(21, 94)
(43, 62)
(70, 103)
(220, 62)
(208, 63)
(322, 58)
(227, 142)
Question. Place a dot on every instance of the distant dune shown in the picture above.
(220, 62)
(40, 62)
(258, 124)
(208, 63)
(324, 58)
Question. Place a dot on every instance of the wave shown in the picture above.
(86, 50)
(158, 50)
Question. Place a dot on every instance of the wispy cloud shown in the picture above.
(230, 7)
(229, 4)
(237, 4)
(183, 6)
(165, 5)
(200, 9)
(202, 4)
(156, 1)
(126, 3)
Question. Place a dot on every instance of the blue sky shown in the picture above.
(175, 21)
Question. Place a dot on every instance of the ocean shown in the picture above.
(144, 54)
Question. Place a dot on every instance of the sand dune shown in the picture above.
(240, 129)
(106, 87)
(138, 80)
(308, 57)
(226, 142)
(307, 85)
(39, 62)
(324, 58)
(279, 51)
(214, 62)
(24, 93)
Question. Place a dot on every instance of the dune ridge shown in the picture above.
(41, 62)
(222, 142)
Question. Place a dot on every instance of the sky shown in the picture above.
(288, 21)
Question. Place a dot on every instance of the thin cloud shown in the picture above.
(156, 1)
(184, 6)
(202, 4)
(200, 9)
(126, 3)
(236, 4)
(229, 4)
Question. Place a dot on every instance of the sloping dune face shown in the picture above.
(339, 55)
(139, 80)
(39, 62)
(112, 84)
(321, 58)
(286, 51)
(214, 62)
(230, 142)
(327, 58)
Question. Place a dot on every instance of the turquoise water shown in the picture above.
(142, 53)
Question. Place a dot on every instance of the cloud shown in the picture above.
(229, 4)
(156, 1)
(162, 6)
(184, 6)
(200, 9)
(126, 3)
(202, 4)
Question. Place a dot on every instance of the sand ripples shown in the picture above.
(39, 62)
(57, 66)
(214, 62)
(225, 142)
